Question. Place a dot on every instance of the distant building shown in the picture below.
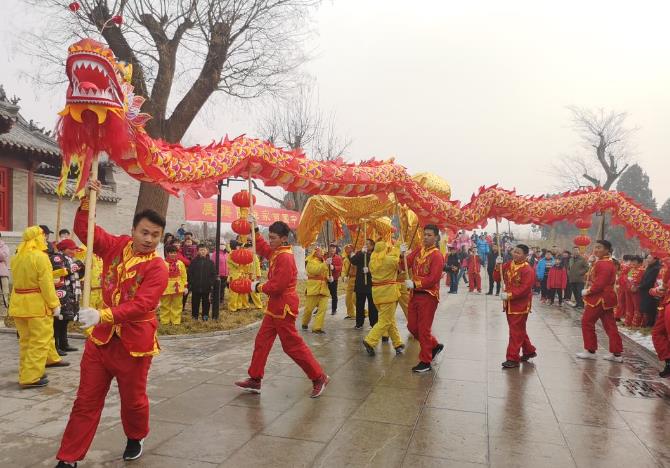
(30, 163)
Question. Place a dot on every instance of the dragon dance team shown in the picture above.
(134, 282)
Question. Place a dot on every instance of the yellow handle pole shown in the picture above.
(365, 255)
(251, 212)
(59, 207)
(402, 238)
(502, 278)
(90, 236)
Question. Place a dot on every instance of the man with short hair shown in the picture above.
(425, 263)
(122, 335)
(201, 280)
(519, 278)
(281, 312)
(600, 299)
(363, 286)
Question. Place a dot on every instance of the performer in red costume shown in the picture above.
(517, 300)
(660, 333)
(474, 271)
(600, 299)
(426, 263)
(621, 311)
(123, 340)
(281, 312)
(633, 316)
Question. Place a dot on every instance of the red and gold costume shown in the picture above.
(280, 314)
(171, 302)
(660, 333)
(519, 282)
(122, 345)
(599, 303)
(474, 274)
(633, 316)
(621, 288)
(426, 266)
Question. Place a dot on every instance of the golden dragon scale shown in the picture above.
(103, 115)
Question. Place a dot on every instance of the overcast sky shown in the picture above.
(474, 91)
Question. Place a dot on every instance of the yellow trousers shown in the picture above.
(36, 347)
(350, 299)
(237, 301)
(404, 300)
(386, 325)
(320, 303)
(256, 300)
(171, 309)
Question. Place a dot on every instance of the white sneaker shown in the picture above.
(586, 355)
(613, 358)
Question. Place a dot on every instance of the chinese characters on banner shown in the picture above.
(204, 209)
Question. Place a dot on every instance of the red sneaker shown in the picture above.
(249, 385)
(319, 386)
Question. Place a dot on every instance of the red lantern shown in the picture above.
(582, 241)
(241, 227)
(241, 199)
(117, 20)
(241, 285)
(242, 256)
(583, 223)
(74, 7)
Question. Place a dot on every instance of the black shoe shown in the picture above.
(385, 339)
(61, 353)
(526, 357)
(304, 327)
(489, 294)
(368, 348)
(133, 449)
(665, 372)
(333, 313)
(422, 367)
(437, 350)
(70, 349)
(400, 349)
(510, 364)
(58, 364)
(62, 464)
(40, 383)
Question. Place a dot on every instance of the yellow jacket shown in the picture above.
(349, 271)
(176, 279)
(234, 270)
(317, 277)
(96, 267)
(33, 292)
(384, 270)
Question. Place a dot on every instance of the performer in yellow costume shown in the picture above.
(317, 293)
(171, 301)
(34, 303)
(385, 293)
(349, 271)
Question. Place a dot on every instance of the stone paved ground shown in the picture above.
(555, 412)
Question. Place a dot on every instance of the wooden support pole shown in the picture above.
(90, 235)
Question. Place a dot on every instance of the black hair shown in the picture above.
(202, 245)
(280, 228)
(626, 258)
(605, 243)
(433, 228)
(151, 216)
(167, 236)
(188, 233)
(63, 231)
(170, 249)
(636, 258)
(370, 240)
(523, 247)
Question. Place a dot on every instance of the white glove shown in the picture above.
(364, 249)
(253, 286)
(329, 261)
(88, 317)
(366, 270)
(251, 219)
(585, 292)
(503, 296)
(409, 284)
(185, 291)
(330, 279)
(499, 260)
(57, 314)
(403, 248)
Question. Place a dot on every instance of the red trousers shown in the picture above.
(99, 365)
(474, 281)
(606, 317)
(420, 315)
(633, 315)
(660, 334)
(518, 338)
(291, 342)
(620, 311)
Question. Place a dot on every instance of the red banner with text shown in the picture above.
(204, 209)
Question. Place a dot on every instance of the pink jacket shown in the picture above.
(4, 259)
(223, 262)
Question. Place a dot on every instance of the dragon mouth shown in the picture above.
(92, 81)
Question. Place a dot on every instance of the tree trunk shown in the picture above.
(152, 197)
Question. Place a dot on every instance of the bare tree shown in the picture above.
(184, 51)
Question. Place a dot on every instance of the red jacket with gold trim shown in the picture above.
(519, 282)
(132, 286)
(600, 284)
(282, 279)
(661, 289)
(426, 266)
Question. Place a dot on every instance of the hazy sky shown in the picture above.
(474, 91)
